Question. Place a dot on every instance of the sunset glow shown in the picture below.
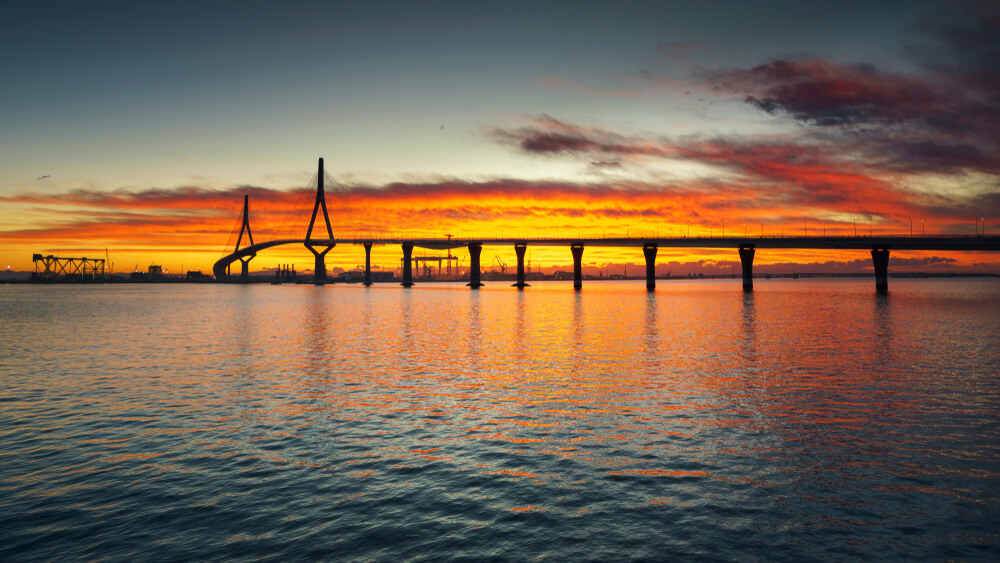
(643, 280)
(848, 139)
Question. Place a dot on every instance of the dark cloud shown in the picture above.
(549, 136)
(825, 93)
(899, 123)
(926, 155)
(606, 164)
(943, 119)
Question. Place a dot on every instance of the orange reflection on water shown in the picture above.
(542, 400)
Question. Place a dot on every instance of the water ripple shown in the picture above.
(811, 419)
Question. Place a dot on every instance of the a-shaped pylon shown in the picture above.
(245, 228)
(325, 245)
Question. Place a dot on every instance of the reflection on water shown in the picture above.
(883, 330)
(808, 419)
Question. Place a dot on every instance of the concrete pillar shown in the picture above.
(577, 250)
(319, 269)
(649, 250)
(880, 257)
(368, 263)
(475, 249)
(519, 249)
(746, 258)
(407, 267)
(245, 270)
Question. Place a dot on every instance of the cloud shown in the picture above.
(205, 221)
(548, 135)
(865, 141)
(772, 178)
(903, 123)
(782, 187)
(606, 164)
(941, 119)
(186, 197)
(195, 217)
(798, 173)
(826, 93)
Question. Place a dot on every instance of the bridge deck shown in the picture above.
(935, 242)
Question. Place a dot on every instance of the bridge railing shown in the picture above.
(559, 238)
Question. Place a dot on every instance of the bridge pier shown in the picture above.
(475, 249)
(407, 264)
(746, 258)
(577, 250)
(519, 249)
(319, 271)
(649, 251)
(245, 269)
(880, 257)
(368, 263)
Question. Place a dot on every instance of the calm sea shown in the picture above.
(811, 419)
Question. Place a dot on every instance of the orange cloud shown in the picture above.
(200, 224)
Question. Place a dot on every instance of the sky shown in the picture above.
(137, 127)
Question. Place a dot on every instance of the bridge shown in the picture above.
(880, 246)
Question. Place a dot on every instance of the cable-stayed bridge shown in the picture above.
(361, 229)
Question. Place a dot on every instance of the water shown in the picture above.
(809, 420)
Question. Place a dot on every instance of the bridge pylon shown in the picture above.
(319, 275)
(244, 229)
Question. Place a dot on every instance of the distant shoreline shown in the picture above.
(487, 277)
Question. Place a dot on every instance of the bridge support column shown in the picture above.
(519, 249)
(880, 257)
(319, 270)
(746, 258)
(577, 250)
(407, 264)
(245, 269)
(649, 250)
(368, 263)
(475, 249)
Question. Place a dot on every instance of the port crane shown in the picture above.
(500, 262)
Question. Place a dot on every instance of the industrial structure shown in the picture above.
(58, 268)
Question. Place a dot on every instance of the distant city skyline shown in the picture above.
(137, 128)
